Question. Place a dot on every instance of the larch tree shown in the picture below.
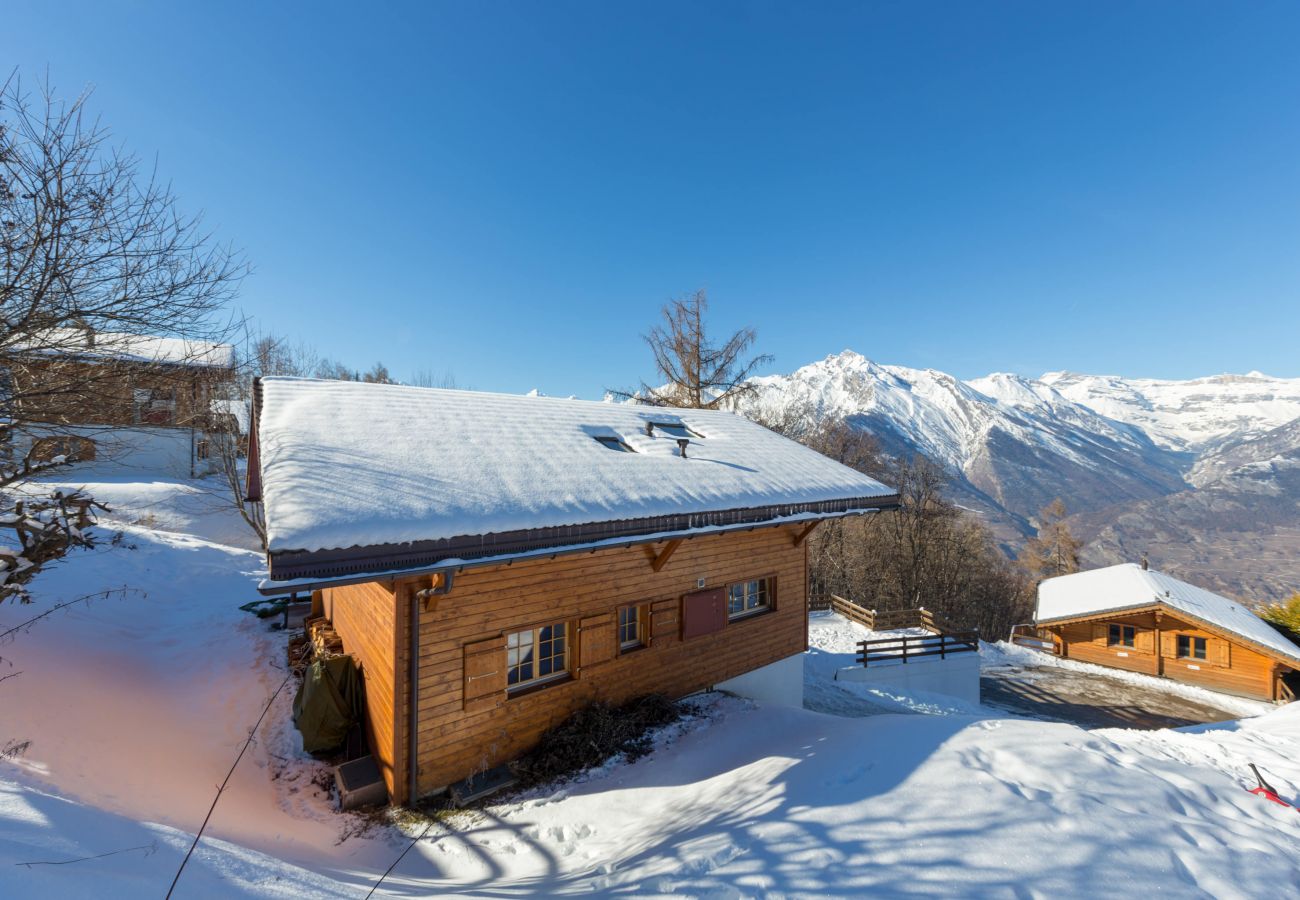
(1054, 550)
(692, 369)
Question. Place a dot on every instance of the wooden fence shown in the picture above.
(1034, 638)
(908, 646)
(889, 620)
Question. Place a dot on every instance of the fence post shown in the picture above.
(943, 646)
(905, 640)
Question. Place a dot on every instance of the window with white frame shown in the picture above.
(537, 655)
(632, 622)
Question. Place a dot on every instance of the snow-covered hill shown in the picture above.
(1115, 449)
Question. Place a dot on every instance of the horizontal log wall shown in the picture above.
(485, 603)
(365, 616)
(1230, 666)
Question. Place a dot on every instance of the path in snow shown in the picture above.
(1090, 699)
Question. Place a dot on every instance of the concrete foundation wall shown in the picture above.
(776, 684)
(956, 676)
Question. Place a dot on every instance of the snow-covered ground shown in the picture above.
(136, 706)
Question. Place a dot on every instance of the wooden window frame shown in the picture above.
(1125, 631)
(1191, 640)
(769, 607)
(537, 682)
(642, 628)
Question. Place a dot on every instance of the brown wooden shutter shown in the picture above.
(1219, 652)
(1100, 632)
(704, 612)
(1145, 642)
(1169, 644)
(665, 623)
(595, 641)
(485, 674)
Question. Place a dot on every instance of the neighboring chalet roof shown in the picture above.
(143, 348)
(1129, 586)
(367, 477)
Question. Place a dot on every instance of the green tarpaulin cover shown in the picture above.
(328, 703)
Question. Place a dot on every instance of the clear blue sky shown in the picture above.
(509, 191)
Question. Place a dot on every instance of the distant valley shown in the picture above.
(1204, 474)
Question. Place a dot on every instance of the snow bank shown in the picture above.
(136, 707)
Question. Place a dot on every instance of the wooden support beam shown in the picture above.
(661, 559)
(805, 531)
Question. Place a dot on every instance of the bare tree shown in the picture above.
(90, 245)
(694, 371)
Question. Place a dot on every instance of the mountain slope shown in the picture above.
(1011, 445)
(1203, 474)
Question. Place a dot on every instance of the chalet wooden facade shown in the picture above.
(82, 393)
(1128, 617)
(479, 636)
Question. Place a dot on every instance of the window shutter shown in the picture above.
(704, 612)
(485, 674)
(1099, 632)
(1220, 652)
(1169, 644)
(1145, 641)
(665, 623)
(595, 641)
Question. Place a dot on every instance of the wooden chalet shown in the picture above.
(494, 563)
(1131, 617)
(83, 393)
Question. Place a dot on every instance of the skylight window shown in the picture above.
(615, 443)
(672, 429)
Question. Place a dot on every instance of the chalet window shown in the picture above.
(748, 597)
(202, 450)
(672, 429)
(614, 443)
(632, 625)
(1191, 647)
(537, 655)
(154, 406)
(1122, 636)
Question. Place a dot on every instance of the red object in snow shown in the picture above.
(1265, 790)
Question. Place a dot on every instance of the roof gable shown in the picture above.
(1130, 587)
(345, 464)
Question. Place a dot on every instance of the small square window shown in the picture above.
(746, 597)
(537, 655)
(1191, 647)
(631, 627)
(1121, 636)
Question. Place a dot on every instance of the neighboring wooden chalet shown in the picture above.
(1130, 617)
(497, 562)
(88, 394)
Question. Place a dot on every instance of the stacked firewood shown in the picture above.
(325, 641)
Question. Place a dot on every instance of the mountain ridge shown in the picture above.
(1120, 452)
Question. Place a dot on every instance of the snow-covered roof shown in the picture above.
(347, 464)
(1129, 586)
(145, 348)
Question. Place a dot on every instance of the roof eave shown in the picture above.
(1178, 612)
(362, 569)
